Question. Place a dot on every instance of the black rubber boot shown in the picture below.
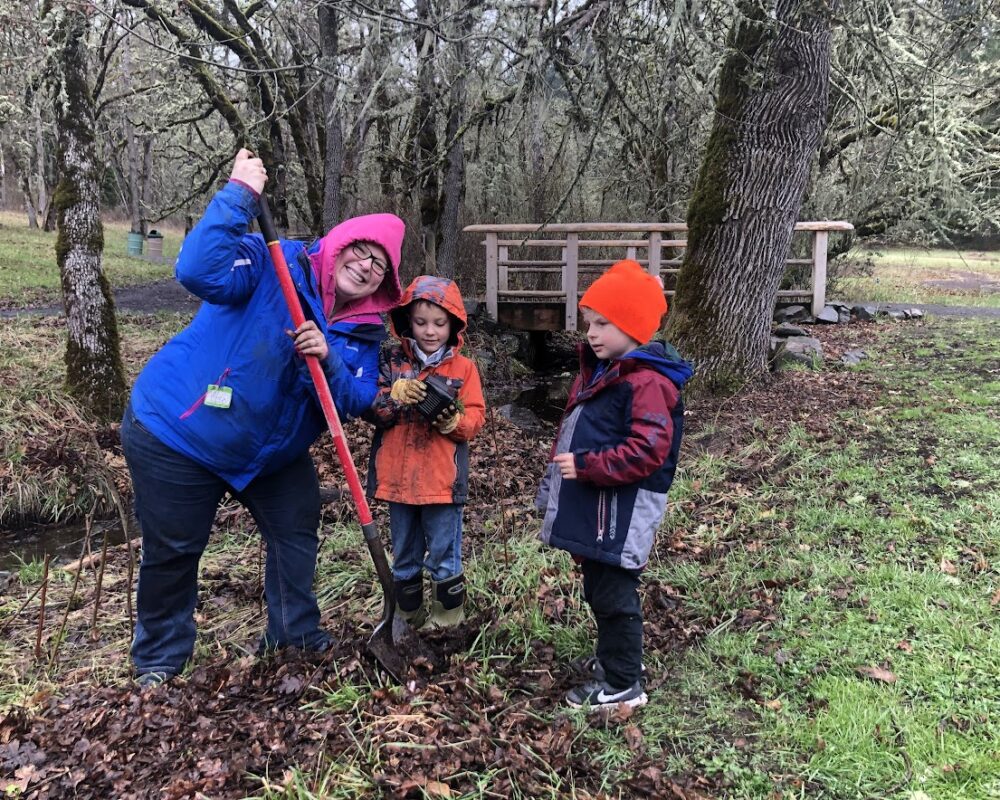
(410, 600)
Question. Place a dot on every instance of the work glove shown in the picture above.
(448, 420)
(407, 391)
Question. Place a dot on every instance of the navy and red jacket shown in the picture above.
(623, 422)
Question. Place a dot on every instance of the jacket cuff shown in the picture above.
(247, 186)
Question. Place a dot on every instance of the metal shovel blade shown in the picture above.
(396, 646)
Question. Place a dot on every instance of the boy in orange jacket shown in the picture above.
(421, 467)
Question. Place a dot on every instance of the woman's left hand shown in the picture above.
(309, 340)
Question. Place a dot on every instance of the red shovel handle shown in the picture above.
(315, 370)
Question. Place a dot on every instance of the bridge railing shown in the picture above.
(512, 254)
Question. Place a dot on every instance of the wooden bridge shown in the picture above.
(529, 289)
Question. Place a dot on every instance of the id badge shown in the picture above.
(218, 396)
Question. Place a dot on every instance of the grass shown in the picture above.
(938, 276)
(29, 274)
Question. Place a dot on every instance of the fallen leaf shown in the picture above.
(437, 789)
(633, 738)
(905, 646)
(774, 705)
(947, 567)
(996, 598)
(877, 674)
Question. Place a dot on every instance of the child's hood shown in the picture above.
(386, 230)
(664, 358)
(658, 355)
(433, 289)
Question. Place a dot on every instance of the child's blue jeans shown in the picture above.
(426, 537)
(175, 502)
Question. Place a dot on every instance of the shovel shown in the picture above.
(394, 643)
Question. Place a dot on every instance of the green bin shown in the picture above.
(134, 247)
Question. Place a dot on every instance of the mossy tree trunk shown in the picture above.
(94, 373)
(770, 116)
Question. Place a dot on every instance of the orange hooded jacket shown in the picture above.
(411, 462)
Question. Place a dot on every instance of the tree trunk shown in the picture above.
(426, 143)
(146, 180)
(333, 158)
(770, 115)
(453, 192)
(43, 187)
(94, 373)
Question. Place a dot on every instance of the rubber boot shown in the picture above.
(447, 603)
(410, 600)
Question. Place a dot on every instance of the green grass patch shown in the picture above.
(29, 274)
(821, 611)
(907, 275)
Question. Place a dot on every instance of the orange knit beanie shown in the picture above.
(628, 297)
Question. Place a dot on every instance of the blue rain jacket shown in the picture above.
(237, 340)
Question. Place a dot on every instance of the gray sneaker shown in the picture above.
(597, 695)
(150, 680)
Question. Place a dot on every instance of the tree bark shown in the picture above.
(333, 157)
(426, 141)
(770, 115)
(453, 192)
(94, 373)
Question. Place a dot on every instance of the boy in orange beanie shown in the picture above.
(605, 490)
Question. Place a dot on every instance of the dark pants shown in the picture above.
(613, 596)
(175, 501)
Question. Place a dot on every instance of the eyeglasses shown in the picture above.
(362, 253)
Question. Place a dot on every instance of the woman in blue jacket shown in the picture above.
(227, 405)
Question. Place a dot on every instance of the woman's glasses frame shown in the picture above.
(363, 253)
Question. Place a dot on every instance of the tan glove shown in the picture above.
(408, 391)
(448, 420)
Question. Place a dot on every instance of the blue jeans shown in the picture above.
(175, 502)
(426, 536)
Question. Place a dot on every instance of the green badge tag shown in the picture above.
(218, 396)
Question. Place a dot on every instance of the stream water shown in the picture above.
(62, 542)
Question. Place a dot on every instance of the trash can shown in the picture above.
(134, 246)
(155, 250)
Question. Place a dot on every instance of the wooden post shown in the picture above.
(655, 251)
(630, 253)
(570, 278)
(504, 278)
(491, 275)
(820, 239)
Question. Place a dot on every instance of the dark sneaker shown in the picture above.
(150, 679)
(597, 695)
(268, 647)
(591, 668)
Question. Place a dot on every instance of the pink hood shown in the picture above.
(382, 229)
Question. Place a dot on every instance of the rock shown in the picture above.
(843, 316)
(865, 313)
(522, 417)
(804, 350)
(791, 313)
(785, 330)
(896, 315)
(829, 315)
(853, 357)
(913, 313)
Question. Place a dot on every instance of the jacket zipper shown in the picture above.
(602, 503)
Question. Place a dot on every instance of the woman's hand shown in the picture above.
(249, 170)
(566, 462)
(309, 340)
